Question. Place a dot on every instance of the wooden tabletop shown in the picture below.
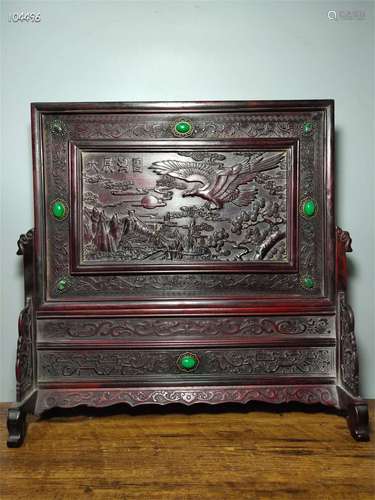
(228, 452)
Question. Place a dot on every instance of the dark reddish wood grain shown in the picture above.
(206, 452)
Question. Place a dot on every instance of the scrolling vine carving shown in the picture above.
(130, 363)
(308, 394)
(203, 327)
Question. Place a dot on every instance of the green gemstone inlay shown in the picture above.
(309, 207)
(59, 210)
(183, 127)
(307, 127)
(57, 127)
(62, 284)
(188, 362)
(308, 282)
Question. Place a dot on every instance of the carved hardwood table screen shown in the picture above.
(185, 252)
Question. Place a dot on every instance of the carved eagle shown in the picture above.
(218, 184)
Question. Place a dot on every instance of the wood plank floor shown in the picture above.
(204, 452)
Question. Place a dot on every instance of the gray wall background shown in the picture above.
(164, 50)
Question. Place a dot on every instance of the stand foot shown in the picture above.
(16, 423)
(357, 418)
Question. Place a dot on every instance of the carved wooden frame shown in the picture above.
(231, 121)
(291, 146)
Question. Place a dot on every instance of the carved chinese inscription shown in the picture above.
(185, 206)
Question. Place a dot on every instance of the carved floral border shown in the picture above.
(308, 394)
(56, 330)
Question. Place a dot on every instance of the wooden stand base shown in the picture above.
(16, 423)
(354, 409)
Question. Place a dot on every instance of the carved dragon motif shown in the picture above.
(25, 240)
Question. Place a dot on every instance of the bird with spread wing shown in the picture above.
(218, 184)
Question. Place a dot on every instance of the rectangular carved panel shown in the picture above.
(184, 328)
(185, 207)
(130, 364)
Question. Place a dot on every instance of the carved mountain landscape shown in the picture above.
(195, 206)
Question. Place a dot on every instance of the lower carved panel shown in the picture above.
(127, 364)
(309, 394)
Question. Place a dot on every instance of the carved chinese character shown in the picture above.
(108, 166)
(123, 165)
(137, 165)
(92, 166)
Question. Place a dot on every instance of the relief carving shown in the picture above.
(113, 328)
(219, 125)
(326, 395)
(267, 361)
(241, 229)
(179, 283)
(25, 240)
(219, 207)
(115, 364)
(24, 361)
(344, 238)
(349, 353)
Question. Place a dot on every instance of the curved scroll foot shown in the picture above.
(357, 418)
(16, 423)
